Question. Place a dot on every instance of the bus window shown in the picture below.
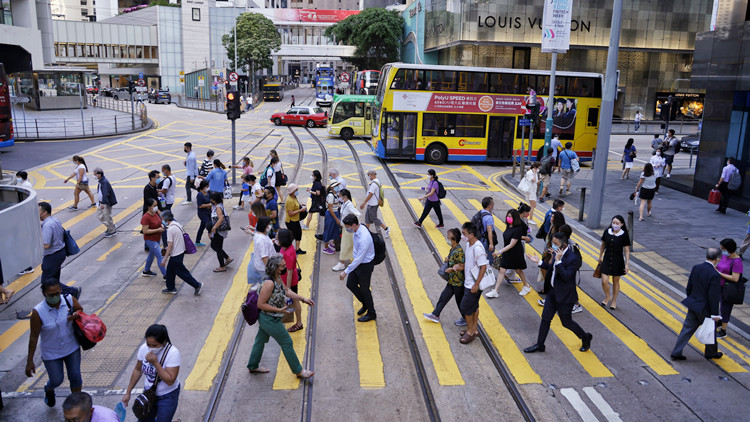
(480, 82)
(470, 125)
(521, 82)
(449, 81)
(419, 78)
(593, 119)
(368, 113)
(465, 81)
(410, 83)
(392, 130)
(581, 87)
(433, 79)
(359, 109)
(398, 80)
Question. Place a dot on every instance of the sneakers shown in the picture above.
(200, 244)
(113, 234)
(26, 271)
(237, 207)
(540, 302)
(721, 333)
(329, 251)
(49, 397)
(73, 208)
(338, 267)
(188, 202)
(492, 294)
(171, 292)
(461, 322)
(512, 280)
(577, 308)
(541, 200)
(561, 191)
(304, 227)
(387, 233)
(301, 252)
(440, 226)
(432, 318)
(92, 206)
(319, 237)
(669, 176)
(148, 273)
(526, 290)
(417, 224)
(198, 289)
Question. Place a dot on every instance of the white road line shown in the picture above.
(602, 404)
(575, 400)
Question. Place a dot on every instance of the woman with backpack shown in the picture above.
(272, 306)
(512, 255)
(628, 154)
(219, 231)
(614, 259)
(431, 199)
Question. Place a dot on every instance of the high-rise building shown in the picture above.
(74, 10)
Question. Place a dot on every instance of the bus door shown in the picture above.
(500, 138)
(399, 131)
(367, 129)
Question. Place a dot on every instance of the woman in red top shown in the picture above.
(285, 239)
(152, 228)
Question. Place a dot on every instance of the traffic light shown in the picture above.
(234, 109)
(131, 87)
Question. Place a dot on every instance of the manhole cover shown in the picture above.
(408, 175)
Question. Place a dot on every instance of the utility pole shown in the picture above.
(80, 97)
(550, 102)
(605, 120)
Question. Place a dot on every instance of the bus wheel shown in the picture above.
(436, 154)
(310, 123)
(277, 121)
(347, 133)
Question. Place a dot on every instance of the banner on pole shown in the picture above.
(556, 26)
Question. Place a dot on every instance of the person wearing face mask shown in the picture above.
(564, 263)
(431, 200)
(292, 209)
(78, 407)
(558, 205)
(614, 259)
(191, 172)
(331, 230)
(658, 163)
(532, 180)
(347, 240)
(158, 357)
(218, 214)
(52, 327)
(702, 301)
(335, 176)
(204, 211)
(272, 209)
(730, 269)
(106, 199)
(22, 180)
(359, 273)
(512, 255)
(455, 287)
(53, 241)
(152, 228)
(272, 307)
(263, 249)
(317, 198)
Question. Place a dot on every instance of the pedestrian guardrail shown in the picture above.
(646, 127)
(212, 104)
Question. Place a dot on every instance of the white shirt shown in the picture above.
(277, 166)
(104, 414)
(169, 185)
(174, 235)
(84, 178)
(475, 257)
(263, 249)
(658, 162)
(638, 117)
(342, 183)
(271, 177)
(374, 189)
(254, 189)
(26, 184)
(364, 248)
(172, 360)
(346, 209)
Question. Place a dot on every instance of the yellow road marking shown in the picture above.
(117, 246)
(433, 334)
(514, 359)
(371, 375)
(588, 361)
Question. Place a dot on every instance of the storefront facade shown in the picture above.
(656, 46)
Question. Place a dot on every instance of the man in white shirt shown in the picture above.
(372, 202)
(175, 255)
(335, 176)
(723, 185)
(359, 271)
(476, 259)
(79, 407)
(191, 172)
(168, 186)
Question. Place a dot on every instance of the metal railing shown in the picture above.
(212, 104)
(646, 127)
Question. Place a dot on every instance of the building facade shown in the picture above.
(656, 46)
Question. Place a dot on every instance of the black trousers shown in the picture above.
(189, 186)
(435, 205)
(217, 244)
(456, 291)
(358, 282)
(205, 223)
(724, 201)
(564, 311)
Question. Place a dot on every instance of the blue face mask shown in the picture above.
(19, 180)
(725, 253)
(555, 248)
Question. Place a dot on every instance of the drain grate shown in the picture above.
(408, 175)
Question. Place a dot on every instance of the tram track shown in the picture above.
(424, 382)
(492, 352)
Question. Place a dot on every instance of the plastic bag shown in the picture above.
(705, 333)
(92, 327)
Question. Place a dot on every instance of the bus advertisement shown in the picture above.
(7, 137)
(365, 82)
(453, 113)
(324, 85)
(351, 115)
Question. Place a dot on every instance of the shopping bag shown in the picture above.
(705, 333)
(714, 197)
(488, 279)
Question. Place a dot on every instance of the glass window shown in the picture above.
(454, 125)
(433, 79)
(303, 111)
(449, 81)
(346, 111)
(593, 118)
(470, 125)
(398, 80)
(560, 82)
(411, 81)
(521, 82)
(581, 87)
(480, 82)
(464, 80)
(392, 132)
(292, 111)
(318, 110)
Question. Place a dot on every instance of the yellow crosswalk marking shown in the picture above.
(588, 360)
(434, 336)
(514, 359)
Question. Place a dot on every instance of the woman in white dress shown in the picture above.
(532, 182)
(657, 160)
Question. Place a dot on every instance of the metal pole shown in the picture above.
(132, 112)
(631, 229)
(234, 154)
(605, 119)
(550, 102)
(80, 101)
(235, 42)
(531, 141)
(583, 203)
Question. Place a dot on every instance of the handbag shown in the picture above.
(189, 245)
(78, 333)
(598, 271)
(734, 293)
(71, 247)
(488, 280)
(441, 271)
(227, 191)
(303, 213)
(225, 224)
(714, 197)
(524, 185)
(497, 262)
(145, 404)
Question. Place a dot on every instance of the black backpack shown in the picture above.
(476, 220)
(441, 190)
(379, 243)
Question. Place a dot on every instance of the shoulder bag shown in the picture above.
(734, 293)
(189, 245)
(225, 225)
(303, 213)
(574, 165)
(487, 281)
(78, 333)
(145, 404)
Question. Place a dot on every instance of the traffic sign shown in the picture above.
(141, 82)
(200, 78)
(221, 80)
(524, 122)
(140, 75)
(344, 77)
(201, 82)
(234, 77)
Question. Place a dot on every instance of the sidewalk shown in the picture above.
(669, 243)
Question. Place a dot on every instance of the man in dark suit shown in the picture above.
(703, 296)
(564, 265)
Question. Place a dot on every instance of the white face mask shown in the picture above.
(658, 152)
(464, 239)
(616, 227)
(155, 350)
(19, 180)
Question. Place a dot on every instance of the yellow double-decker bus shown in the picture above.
(440, 113)
(351, 115)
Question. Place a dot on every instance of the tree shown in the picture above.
(376, 35)
(257, 39)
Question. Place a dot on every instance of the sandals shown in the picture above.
(305, 374)
(228, 261)
(295, 327)
(7, 297)
(259, 370)
(220, 269)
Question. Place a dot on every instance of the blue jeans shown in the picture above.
(175, 268)
(55, 371)
(253, 276)
(154, 251)
(166, 406)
